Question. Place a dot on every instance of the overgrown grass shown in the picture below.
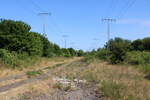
(113, 90)
(117, 82)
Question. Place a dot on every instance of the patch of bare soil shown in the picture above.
(79, 93)
(147, 77)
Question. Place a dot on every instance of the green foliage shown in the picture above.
(57, 50)
(89, 58)
(33, 44)
(102, 54)
(146, 44)
(18, 44)
(8, 58)
(13, 27)
(16, 36)
(34, 73)
(137, 45)
(65, 52)
(80, 53)
(137, 57)
(48, 50)
(141, 59)
(141, 44)
(118, 48)
(72, 51)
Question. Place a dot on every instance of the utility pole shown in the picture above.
(108, 21)
(65, 39)
(44, 15)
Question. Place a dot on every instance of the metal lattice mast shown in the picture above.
(44, 15)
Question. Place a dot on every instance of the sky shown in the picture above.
(81, 20)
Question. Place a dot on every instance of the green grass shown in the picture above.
(33, 73)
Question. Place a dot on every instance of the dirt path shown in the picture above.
(12, 77)
(23, 82)
(79, 93)
(20, 83)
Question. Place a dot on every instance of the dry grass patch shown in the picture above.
(42, 63)
(117, 82)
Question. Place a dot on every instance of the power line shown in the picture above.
(111, 8)
(37, 6)
(57, 27)
(27, 8)
(127, 7)
(42, 10)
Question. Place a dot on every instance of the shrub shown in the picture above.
(118, 48)
(66, 52)
(80, 53)
(137, 57)
(102, 54)
(8, 58)
(89, 58)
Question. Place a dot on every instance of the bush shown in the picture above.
(102, 54)
(80, 53)
(8, 58)
(137, 57)
(118, 48)
(88, 59)
(66, 52)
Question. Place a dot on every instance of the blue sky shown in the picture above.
(81, 19)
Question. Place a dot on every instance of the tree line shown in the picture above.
(120, 50)
(17, 37)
